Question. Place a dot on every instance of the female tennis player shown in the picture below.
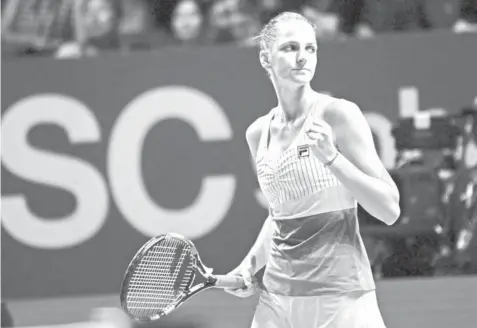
(315, 159)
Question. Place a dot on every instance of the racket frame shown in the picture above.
(198, 266)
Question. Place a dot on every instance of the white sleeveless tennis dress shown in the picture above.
(318, 274)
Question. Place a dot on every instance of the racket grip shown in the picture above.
(225, 281)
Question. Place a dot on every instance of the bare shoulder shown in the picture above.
(342, 112)
(255, 129)
(254, 132)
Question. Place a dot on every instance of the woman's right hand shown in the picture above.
(251, 283)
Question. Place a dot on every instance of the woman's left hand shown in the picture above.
(320, 134)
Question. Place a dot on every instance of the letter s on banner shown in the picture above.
(80, 178)
(125, 153)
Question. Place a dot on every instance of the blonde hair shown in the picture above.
(269, 31)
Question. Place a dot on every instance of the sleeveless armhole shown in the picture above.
(264, 134)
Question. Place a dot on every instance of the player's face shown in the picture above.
(294, 53)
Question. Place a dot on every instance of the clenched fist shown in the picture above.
(320, 134)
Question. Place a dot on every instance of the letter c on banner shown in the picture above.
(125, 154)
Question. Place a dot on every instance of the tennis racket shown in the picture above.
(159, 278)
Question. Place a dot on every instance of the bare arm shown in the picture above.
(259, 252)
(360, 169)
(258, 255)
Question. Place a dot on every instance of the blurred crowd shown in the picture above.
(125, 25)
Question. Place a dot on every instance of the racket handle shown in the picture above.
(225, 281)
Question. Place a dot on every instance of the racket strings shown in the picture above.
(160, 278)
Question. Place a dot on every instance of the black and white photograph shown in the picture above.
(238, 163)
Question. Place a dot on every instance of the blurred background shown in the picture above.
(124, 119)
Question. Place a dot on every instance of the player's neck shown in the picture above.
(295, 102)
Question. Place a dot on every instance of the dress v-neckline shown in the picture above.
(295, 139)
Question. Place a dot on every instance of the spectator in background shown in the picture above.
(324, 14)
(187, 21)
(98, 26)
(182, 22)
(351, 13)
(245, 27)
(271, 8)
(365, 18)
(136, 26)
(233, 21)
(222, 15)
(442, 14)
(467, 22)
